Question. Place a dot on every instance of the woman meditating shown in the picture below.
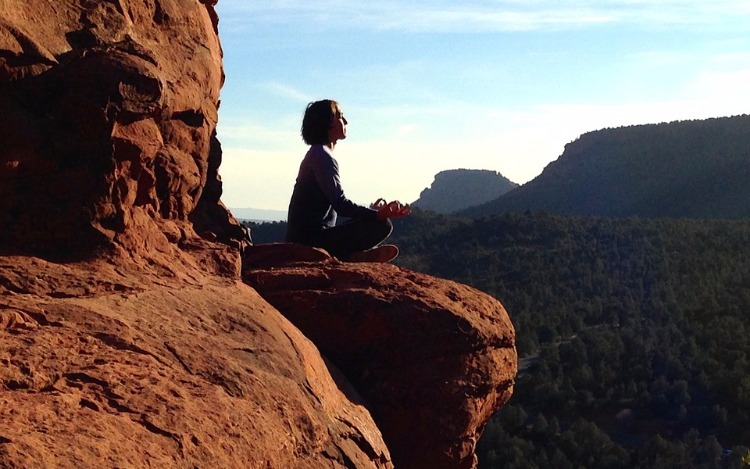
(318, 198)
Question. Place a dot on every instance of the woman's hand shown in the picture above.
(378, 204)
(390, 210)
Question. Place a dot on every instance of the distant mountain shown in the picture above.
(686, 169)
(259, 215)
(457, 189)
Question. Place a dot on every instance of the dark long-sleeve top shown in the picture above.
(318, 197)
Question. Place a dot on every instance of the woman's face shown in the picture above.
(338, 127)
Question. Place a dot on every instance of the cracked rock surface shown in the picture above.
(108, 125)
(146, 370)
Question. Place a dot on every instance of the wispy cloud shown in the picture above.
(485, 15)
(458, 19)
(245, 132)
(286, 91)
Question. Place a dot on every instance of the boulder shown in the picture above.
(433, 359)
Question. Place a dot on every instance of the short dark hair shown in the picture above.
(318, 120)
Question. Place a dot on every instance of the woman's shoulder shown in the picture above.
(319, 154)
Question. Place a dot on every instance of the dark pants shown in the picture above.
(356, 235)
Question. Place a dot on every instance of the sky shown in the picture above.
(432, 85)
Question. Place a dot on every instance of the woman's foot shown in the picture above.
(383, 253)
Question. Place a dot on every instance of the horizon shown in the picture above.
(501, 86)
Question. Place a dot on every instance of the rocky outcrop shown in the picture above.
(434, 359)
(107, 363)
(127, 336)
(108, 121)
(457, 189)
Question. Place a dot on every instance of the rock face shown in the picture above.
(127, 336)
(108, 123)
(434, 359)
(109, 364)
(457, 189)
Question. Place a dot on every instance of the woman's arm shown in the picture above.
(327, 175)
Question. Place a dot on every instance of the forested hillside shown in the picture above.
(633, 334)
(691, 169)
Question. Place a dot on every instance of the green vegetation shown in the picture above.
(633, 334)
(693, 169)
(267, 232)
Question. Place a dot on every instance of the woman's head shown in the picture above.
(320, 118)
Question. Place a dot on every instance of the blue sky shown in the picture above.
(429, 85)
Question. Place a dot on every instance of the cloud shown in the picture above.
(287, 91)
(722, 87)
(485, 15)
(245, 132)
(258, 178)
(409, 16)
(461, 19)
(407, 129)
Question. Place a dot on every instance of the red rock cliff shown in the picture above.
(109, 116)
(127, 336)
